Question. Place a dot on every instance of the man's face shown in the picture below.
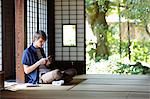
(39, 43)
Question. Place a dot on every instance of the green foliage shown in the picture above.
(122, 68)
(113, 39)
(140, 51)
(131, 69)
(96, 11)
(92, 53)
(137, 11)
(100, 30)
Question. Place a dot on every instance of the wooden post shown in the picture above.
(8, 39)
(19, 28)
(1, 80)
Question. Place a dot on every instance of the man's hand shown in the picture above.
(49, 60)
(42, 61)
(29, 69)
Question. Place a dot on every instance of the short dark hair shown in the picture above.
(40, 34)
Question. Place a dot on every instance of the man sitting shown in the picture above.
(35, 63)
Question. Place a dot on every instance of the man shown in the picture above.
(34, 60)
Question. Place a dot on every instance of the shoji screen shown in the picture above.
(69, 12)
(36, 19)
(42, 4)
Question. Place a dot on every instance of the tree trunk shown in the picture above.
(100, 27)
(102, 47)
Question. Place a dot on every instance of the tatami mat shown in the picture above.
(124, 83)
(89, 86)
(17, 87)
(114, 76)
(126, 88)
(56, 94)
(116, 82)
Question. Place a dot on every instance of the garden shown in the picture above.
(118, 37)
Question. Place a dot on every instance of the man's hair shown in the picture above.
(39, 34)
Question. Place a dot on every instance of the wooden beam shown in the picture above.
(8, 38)
(19, 28)
(51, 27)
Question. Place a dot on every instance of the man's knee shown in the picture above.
(57, 74)
(71, 72)
(47, 77)
(51, 76)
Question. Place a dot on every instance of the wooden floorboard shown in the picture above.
(90, 87)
